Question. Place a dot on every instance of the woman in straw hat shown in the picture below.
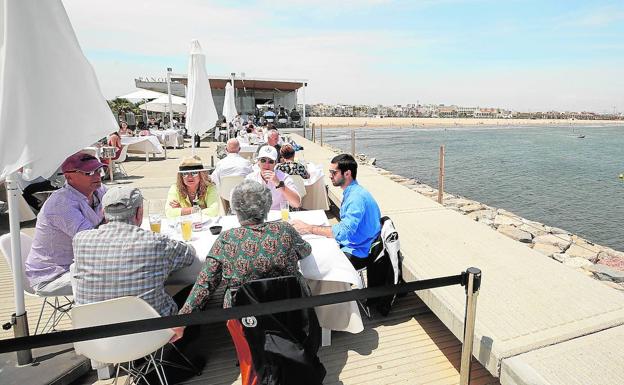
(193, 186)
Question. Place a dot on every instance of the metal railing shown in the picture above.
(470, 279)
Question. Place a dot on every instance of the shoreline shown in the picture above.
(602, 263)
(356, 122)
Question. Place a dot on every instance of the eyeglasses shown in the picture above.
(192, 173)
(264, 160)
(88, 173)
(333, 172)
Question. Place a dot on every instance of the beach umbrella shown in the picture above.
(229, 105)
(201, 113)
(141, 95)
(161, 104)
(51, 105)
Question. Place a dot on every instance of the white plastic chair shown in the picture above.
(60, 307)
(126, 348)
(117, 163)
(299, 185)
(226, 185)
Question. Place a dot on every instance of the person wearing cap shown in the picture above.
(75, 207)
(193, 186)
(281, 185)
(119, 258)
(233, 164)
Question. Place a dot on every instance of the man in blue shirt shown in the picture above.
(360, 217)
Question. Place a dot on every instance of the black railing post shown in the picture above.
(472, 281)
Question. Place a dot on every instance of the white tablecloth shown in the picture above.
(326, 269)
(142, 144)
(316, 192)
(169, 137)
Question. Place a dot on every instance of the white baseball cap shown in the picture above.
(267, 152)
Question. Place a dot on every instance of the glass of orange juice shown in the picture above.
(186, 226)
(284, 209)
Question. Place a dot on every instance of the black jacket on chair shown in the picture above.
(283, 346)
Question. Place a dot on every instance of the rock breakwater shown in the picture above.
(599, 262)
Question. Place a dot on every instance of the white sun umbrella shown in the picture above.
(161, 104)
(201, 113)
(229, 105)
(141, 95)
(51, 105)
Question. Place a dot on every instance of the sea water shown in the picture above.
(545, 174)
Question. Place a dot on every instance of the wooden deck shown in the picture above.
(410, 346)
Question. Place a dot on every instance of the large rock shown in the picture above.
(457, 202)
(576, 262)
(562, 241)
(471, 207)
(502, 219)
(534, 228)
(546, 249)
(584, 250)
(605, 273)
(515, 233)
(481, 215)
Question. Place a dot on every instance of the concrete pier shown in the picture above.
(527, 302)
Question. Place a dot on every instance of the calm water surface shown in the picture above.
(546, 174)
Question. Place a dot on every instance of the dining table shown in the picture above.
(326, 269)
(143, 144)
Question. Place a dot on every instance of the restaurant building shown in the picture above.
(249, 92)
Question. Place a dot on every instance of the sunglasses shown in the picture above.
(333, 172)
(87, 173)
(191, 173)
(264, 160)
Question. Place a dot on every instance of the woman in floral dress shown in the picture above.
(256, 250)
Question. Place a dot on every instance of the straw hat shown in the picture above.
(191, 163)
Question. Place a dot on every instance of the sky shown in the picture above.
(522, 55)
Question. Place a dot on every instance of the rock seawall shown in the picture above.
(599, 262)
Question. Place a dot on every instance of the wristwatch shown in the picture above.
(280, 184)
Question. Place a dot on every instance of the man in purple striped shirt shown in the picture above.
(75, 207)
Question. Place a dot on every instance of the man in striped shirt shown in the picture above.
(121, 259)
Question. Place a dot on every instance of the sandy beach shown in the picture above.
(328, 121)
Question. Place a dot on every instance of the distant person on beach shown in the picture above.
(360, 217)
(75, 207)
(288, 164)
(121, 259)
(232, 165)
(280, 184)
(193, 186)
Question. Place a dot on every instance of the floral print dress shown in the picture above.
(246, 253)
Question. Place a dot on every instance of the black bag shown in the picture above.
(386, 263)
(283, 346)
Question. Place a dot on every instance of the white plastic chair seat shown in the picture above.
(115, 350)
(299, 185)
(5, 248)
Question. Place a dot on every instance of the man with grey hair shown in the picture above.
(232, 164)
(121, 259)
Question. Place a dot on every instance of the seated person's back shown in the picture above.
(121, 259)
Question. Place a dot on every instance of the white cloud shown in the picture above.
(127, 39)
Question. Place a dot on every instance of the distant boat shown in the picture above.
(581, 136)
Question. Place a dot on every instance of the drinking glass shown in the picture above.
(186, 227)
(155, 208)
(284, 209)
(197, 219)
